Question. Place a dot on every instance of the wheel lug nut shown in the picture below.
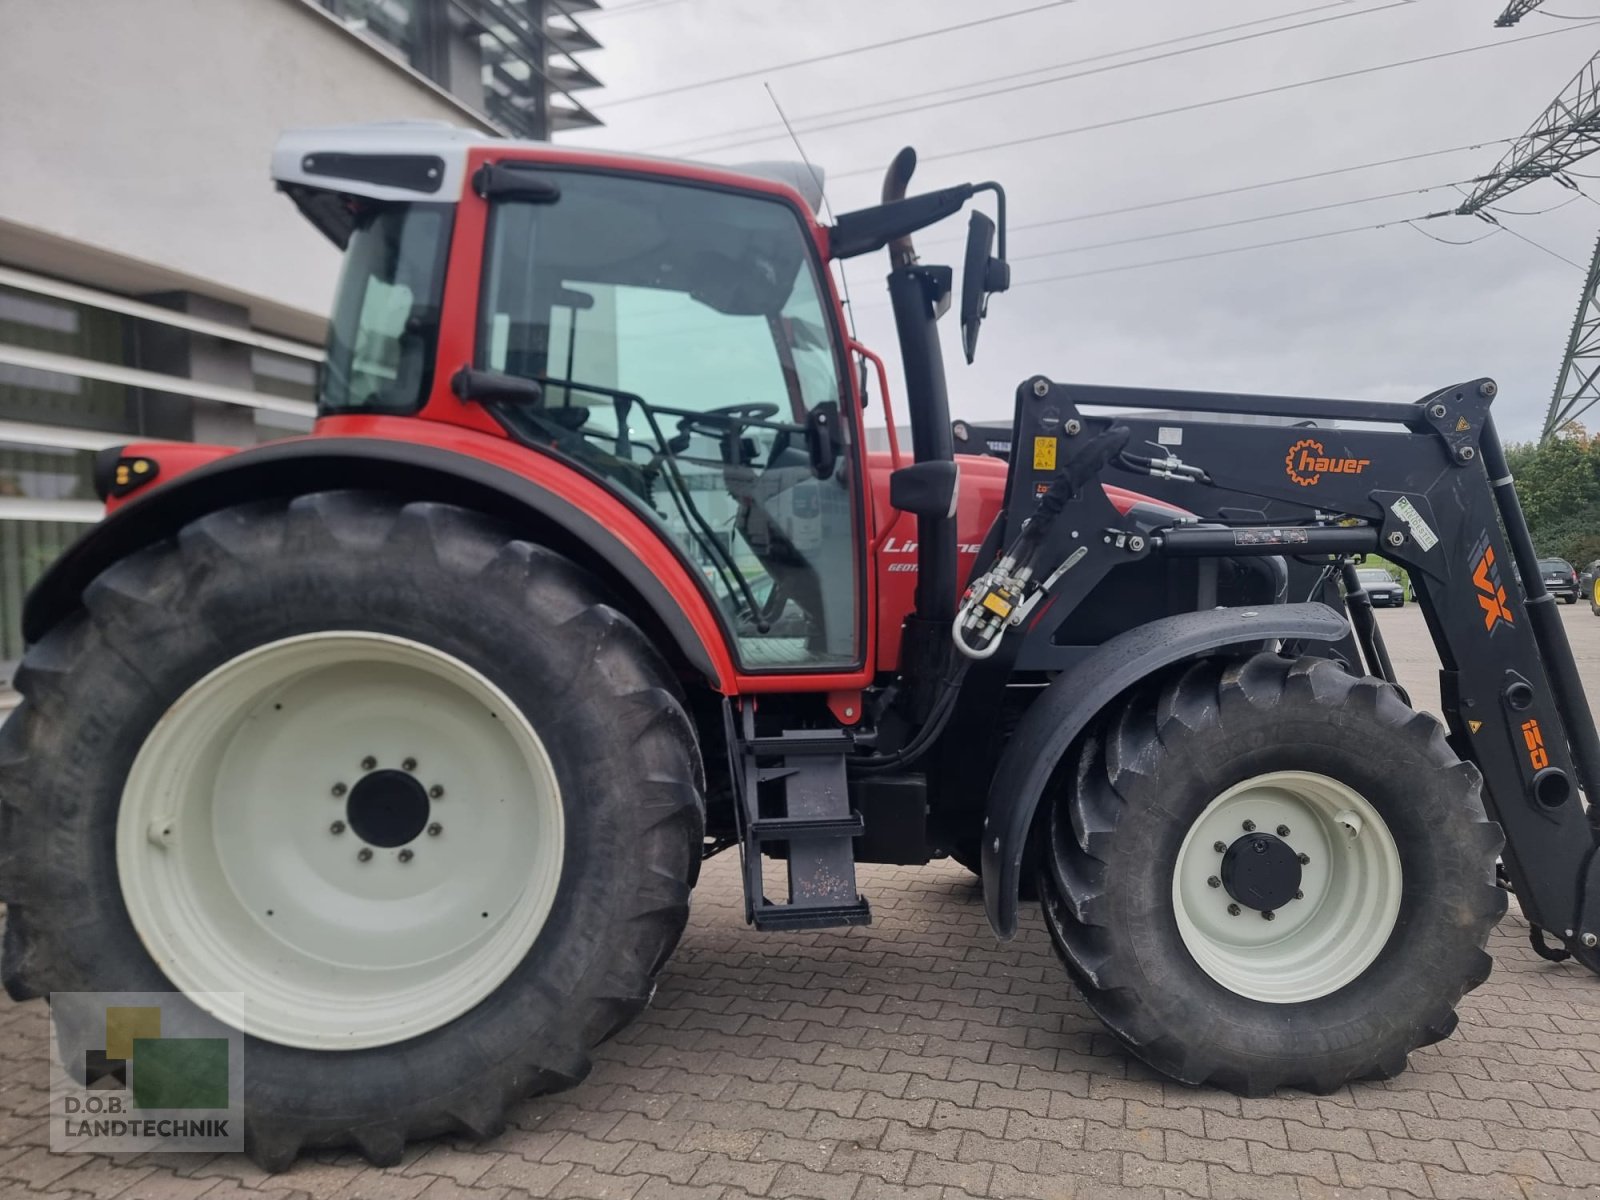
(339, 789)
(1249, 826)
(1283, 831)
(368, 763)
(1233, 910)
(336, 827)
(1299, 895)
(1268, 915)
(365, 855)
(405, 856)
(436, 791)
(410, 764)
(1213, 882)
(1219, 847)
(1304, 858)
(435, 829)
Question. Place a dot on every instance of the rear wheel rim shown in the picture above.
(1350, 887)
(358, 834)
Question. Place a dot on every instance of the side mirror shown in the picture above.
(981, 275)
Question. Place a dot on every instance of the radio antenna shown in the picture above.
(822, 188)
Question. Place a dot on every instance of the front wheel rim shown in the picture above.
(358, 834)
(1349, 888)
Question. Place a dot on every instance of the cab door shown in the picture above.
(688, 356)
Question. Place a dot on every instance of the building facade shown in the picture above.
(152, 283)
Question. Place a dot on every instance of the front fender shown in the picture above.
(1073, 699)
(554, 503)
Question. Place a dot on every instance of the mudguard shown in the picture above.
(1054, 721)
(421, 472)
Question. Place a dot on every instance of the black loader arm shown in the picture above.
(1424, 484)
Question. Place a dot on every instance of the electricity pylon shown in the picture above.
(1515, 11)
(1567, 130)
(1576, 387)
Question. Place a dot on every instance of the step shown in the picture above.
(783, 829)
(789, 916)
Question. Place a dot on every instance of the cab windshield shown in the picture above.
(687, 358)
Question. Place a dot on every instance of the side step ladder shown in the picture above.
(805, 803)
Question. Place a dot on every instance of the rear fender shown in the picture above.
(1074, 698)
(553, 504)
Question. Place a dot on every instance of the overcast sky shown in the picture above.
(1381, 314)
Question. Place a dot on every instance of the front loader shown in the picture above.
(413, 732)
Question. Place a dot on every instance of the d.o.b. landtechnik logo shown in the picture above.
(139, 1071)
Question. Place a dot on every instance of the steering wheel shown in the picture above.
(719, 422)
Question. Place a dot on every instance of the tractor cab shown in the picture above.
(670, 333)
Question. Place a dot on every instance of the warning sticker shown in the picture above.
(1044, 454)
(1270, 537)
(1420, 529)
(1169, 435)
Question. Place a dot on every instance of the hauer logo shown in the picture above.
(1491, 592)
(1307, 462)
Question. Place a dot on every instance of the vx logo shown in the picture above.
(1491, 592)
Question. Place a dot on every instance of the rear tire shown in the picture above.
(351, 580)
(1341, 987)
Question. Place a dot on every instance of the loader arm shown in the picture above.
(1430, 491)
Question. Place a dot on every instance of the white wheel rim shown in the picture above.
(1350, 887)
(238, 879)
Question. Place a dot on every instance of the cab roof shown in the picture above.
(423, 160)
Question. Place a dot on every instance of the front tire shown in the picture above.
(1384, 894)
(402, 779)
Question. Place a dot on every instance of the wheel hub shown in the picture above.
(1322, 888)
(283, 835)
(388, 808)
(1261, 871)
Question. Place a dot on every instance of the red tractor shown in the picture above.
(413, 732)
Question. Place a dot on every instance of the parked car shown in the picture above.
(1587, 579)
(1560, 580)
(1382, 588)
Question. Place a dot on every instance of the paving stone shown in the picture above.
(919, 1059)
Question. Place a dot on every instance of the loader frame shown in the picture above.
(1431, 483)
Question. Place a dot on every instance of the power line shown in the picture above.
(1278, 216)
(1444, 241)
(1234, 191)
(619, 10)
(854, 110)
(1537, 246)
(837, 54)
(1221, 100)
(1534, 212)
(1162, 262)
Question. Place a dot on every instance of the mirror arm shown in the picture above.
(999, 214)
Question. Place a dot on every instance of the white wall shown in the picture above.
(142, 128)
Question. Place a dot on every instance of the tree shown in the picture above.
(1558, 482)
